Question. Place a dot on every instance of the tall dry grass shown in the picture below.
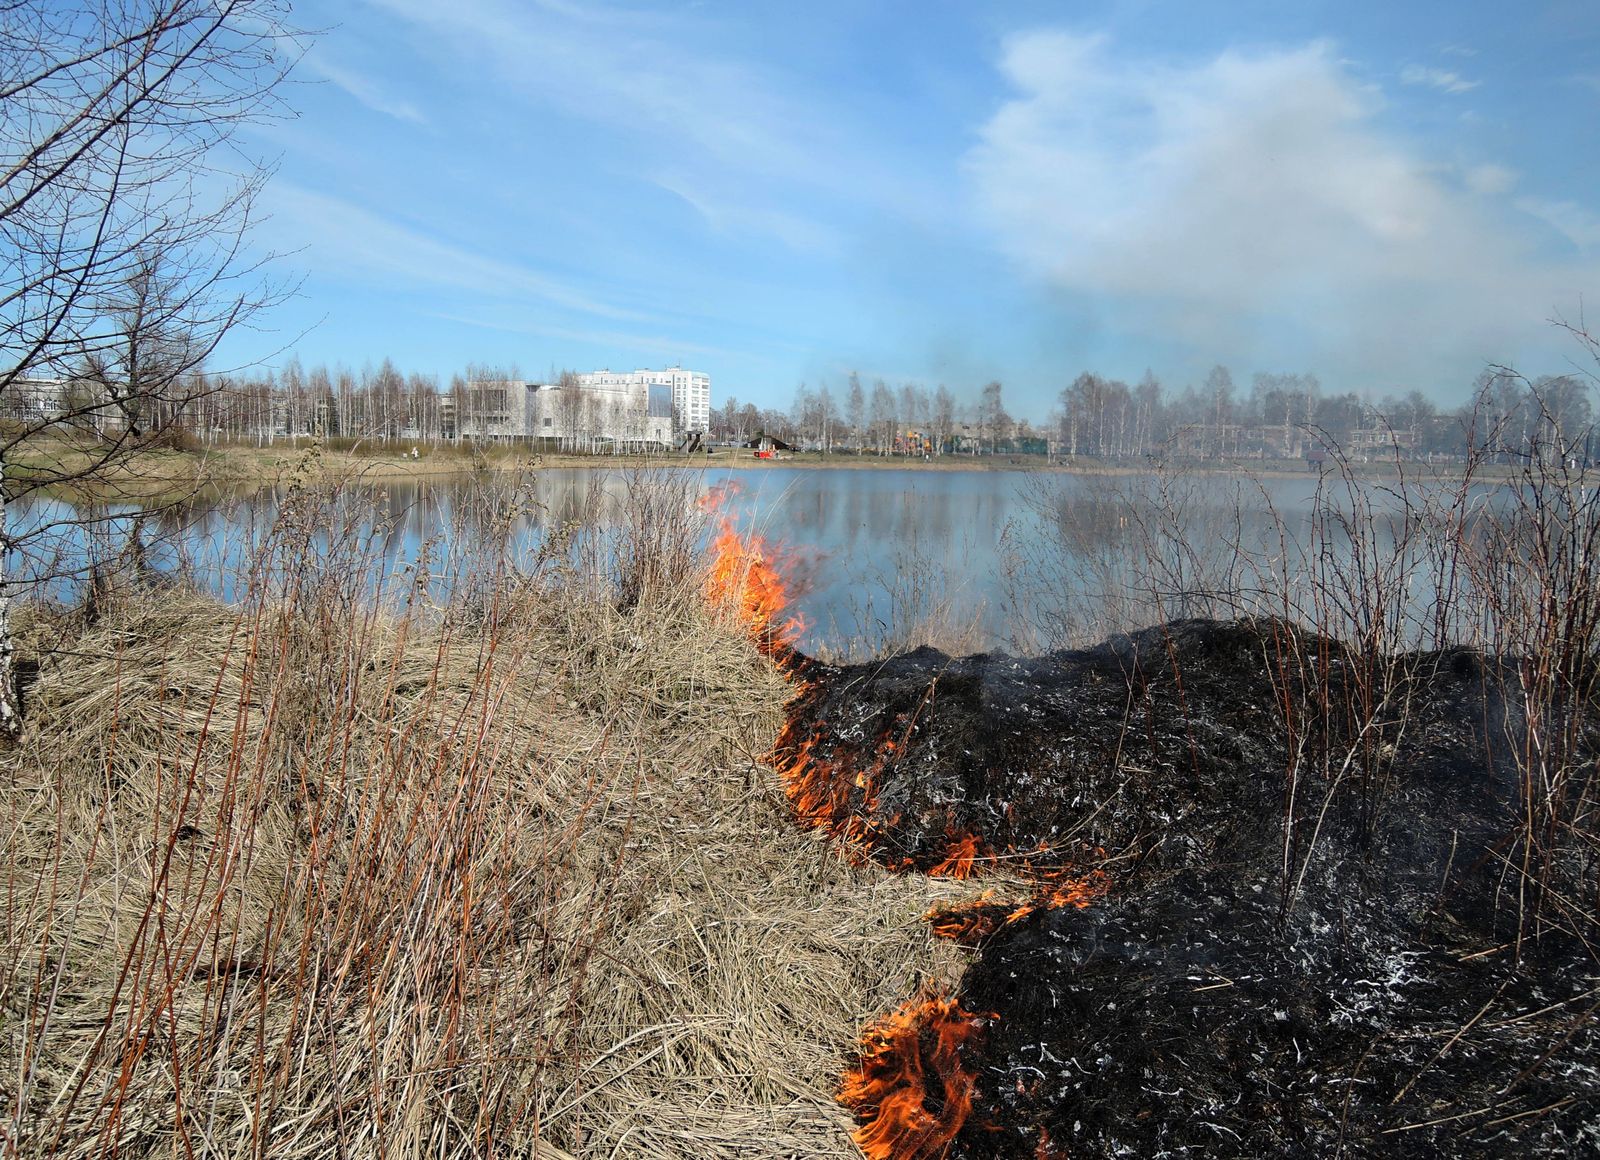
(483, 864)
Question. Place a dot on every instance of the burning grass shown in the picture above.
(317, 875)
(1229, 844)
(1227, 948)
(911, 1087)
(1315, 877)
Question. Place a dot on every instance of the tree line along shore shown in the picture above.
(164, 474)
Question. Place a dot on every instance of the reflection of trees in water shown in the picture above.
(914, 564)
(1110, 554)
(1364, 559)
(969, 559)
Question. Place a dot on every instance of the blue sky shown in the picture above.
(1389, 195)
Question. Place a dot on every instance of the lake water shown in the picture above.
(990, 557)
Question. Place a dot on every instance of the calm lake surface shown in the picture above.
(875, 548)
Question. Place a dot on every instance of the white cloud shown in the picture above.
(1251, 206)
(1436, 78)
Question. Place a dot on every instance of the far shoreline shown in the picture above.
(164, 474)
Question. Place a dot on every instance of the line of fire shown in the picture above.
(1257, 896)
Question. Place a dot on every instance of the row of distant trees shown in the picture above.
(885, 420)
(1279, 415)
(1289, 415)
(381, 403)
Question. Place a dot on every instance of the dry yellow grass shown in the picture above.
(500, 875)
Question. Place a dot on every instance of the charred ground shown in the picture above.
(1321, 935)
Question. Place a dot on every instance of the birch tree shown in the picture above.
(126, 195)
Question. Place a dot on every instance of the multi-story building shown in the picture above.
(691, 391)
(587, 412)
(691, 395)
(606, 408)
(35, 401)
(620, 408)
(83, 404)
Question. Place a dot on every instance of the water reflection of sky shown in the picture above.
(875, 546)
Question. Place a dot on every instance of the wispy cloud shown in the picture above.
(676, 103)
(612, 66)
(1436, 78)
(1252, 199)
(343, 236)
(1578, 225)
(741, 217)
(363, 88)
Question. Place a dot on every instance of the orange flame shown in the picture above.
(969, 923)
(822, 792)
(961, 858)
(748, 576)
(911, 1090)
(1078, 893)
(966, 923)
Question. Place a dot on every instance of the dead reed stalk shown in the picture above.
(479, 863)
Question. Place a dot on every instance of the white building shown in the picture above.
(691, 391)
(591, 413)
(496, 409)
(604, 408)
(35, 401)
(625, 409)
(83, 404)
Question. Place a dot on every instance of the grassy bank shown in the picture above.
(316, 875)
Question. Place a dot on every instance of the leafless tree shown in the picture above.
(855, 409)
(944, 418)
(125, 200)
(592, 423)
(881, 417)
(569, 410)
(994, 421)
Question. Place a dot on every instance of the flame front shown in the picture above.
(969, 923)
(962, 858)
(748, 576)
(835, 801)
(912, 1091)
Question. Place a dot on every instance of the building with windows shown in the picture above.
(691, 391)
(493, 409)
(35, 401)
(590, 411)
(599, 411)
(602, 409)
(82, 404)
